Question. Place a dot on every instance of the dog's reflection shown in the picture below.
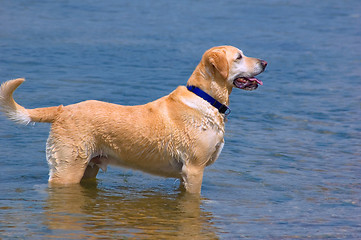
(88, 211)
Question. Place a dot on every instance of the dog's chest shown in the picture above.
(208, 138)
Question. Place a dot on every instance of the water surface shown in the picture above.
(290, 168)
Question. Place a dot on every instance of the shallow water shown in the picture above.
(290, 168)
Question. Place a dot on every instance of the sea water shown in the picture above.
(290, 168)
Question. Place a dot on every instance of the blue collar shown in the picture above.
(221, 108)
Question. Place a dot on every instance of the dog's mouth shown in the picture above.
(247, 83)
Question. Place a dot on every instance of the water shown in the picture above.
(290, 168)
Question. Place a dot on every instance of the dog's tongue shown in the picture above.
(255, 79)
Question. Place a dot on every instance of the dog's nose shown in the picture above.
(264, 64)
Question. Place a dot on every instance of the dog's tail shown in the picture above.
(18, 113)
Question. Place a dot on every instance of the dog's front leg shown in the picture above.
(192, 177)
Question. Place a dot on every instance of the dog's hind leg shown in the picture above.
(90, 172)
(67, 161)
(96, 163)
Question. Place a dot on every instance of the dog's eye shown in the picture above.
(239, 57)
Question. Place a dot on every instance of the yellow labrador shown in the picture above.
(175, 136)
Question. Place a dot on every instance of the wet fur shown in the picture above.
(175, 136)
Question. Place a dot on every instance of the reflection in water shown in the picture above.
(93, 212)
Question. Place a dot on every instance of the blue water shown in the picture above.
(291, 165)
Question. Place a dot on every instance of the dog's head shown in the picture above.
(229, 66)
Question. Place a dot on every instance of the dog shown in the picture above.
(175, 136)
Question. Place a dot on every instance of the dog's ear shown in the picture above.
(217, 59)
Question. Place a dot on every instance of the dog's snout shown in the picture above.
(263, 63)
